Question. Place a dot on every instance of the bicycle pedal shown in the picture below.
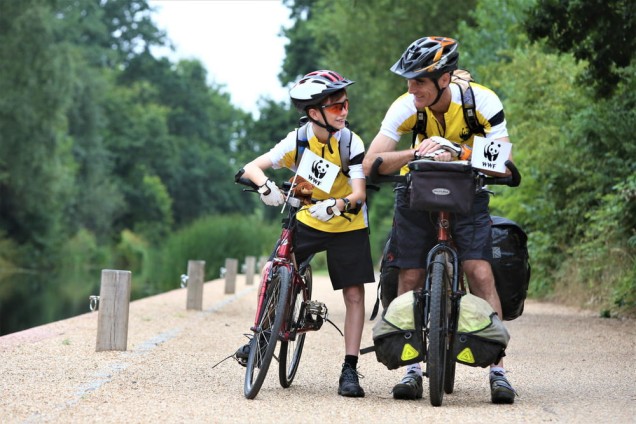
(313, 307)
(315, 315)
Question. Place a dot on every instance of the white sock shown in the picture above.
(416, 368)
(497, 369)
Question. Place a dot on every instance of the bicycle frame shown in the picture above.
(445, 245)
(283, 256)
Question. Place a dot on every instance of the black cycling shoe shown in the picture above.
(349, 384)
(501, 390)
(410, 388)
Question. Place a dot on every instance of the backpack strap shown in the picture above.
(344, 144)
(420, 127)
(345, 149)
(301, 142)
(463, 79)
(470, 112)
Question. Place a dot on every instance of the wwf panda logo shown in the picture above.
(491, 151)
(465, 134)
(319, 169)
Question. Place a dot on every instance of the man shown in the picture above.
(442, 132)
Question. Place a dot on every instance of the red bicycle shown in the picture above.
(285, 311)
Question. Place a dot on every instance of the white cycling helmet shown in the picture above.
(316, 86)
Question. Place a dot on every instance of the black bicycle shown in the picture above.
(444, 285)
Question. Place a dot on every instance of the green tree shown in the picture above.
(302, 54)
(194, 158)
(599, 32)
(36, 166)
(105, 36)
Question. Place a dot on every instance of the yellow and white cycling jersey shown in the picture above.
(283, 155)
(402, 117)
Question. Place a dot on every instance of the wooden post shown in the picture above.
(250, 264)
(196, 273)
(114, 301)
(261, 263)
(231, 266)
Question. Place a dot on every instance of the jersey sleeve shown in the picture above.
(283, 153)
(399, 118)
(356, 155)
(490, 107)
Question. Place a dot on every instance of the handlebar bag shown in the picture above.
(442, 186)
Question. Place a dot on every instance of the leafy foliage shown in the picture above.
(599, 32)
(302, 53)
(211, 239)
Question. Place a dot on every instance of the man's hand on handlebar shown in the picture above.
(439, 149)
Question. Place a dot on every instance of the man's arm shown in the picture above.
(384, 147)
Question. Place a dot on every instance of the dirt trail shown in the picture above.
(567, 366)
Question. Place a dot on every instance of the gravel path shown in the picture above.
(568, 366)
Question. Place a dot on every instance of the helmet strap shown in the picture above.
(326, 125)
(440, 91)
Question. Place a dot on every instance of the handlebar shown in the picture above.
(238, 178)
(512, 180)
(290, 199)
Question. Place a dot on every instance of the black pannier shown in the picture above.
(510, 265)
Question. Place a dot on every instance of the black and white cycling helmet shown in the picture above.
(316, 86)
(428, 57)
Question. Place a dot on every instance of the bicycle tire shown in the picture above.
(451, 363)
(438, 330)
(263, 343)
(287, 369)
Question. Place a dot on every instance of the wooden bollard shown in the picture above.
(114, 301)
(231, 267)
(261, 263)
(196, 273)
(250, 264)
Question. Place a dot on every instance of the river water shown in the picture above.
(29, 299)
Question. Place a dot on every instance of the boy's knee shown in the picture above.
(354, 295)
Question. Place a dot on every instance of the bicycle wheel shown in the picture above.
(453, 305)
(263, 343)
(451, 363)
(438, 330)
(291, 351)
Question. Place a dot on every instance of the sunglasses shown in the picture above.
(336, 107)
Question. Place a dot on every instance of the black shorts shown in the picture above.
(348, 254)
(414, 233)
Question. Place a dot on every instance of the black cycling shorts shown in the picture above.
(414, 233)
(348, 254)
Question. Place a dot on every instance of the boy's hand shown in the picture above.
(271, 194)
(324, 210)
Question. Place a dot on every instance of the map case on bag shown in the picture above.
(481, 338)
(397, 336)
